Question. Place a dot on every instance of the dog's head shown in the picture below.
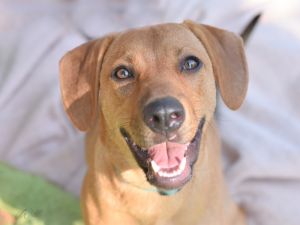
(155, 88)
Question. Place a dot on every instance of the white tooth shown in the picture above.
(187, 146)
(174, 173)
(161, 173)
(182, 165)
(173, 137)
(181, 170)
(165, 174)
(155, 167)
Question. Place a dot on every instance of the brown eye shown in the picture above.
(191, 64)
(122, 73)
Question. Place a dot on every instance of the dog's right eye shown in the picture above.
(122, 73)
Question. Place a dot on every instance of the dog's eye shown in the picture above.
(191, 63)
(122, 73)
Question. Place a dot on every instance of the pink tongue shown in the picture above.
(167, 154)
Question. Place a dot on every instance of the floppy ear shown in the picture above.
(226, 52)
(79, 81)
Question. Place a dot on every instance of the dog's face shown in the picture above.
(157, 92)
(157, 89)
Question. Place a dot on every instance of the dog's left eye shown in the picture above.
(190, 64)
(122, 73)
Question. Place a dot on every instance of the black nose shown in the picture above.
(164, 115)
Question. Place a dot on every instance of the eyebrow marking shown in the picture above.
(125, 59)
(184, 50)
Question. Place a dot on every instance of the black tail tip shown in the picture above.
(245, 34)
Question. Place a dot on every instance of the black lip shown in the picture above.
(143, 159)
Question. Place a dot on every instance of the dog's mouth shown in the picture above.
(167, 165)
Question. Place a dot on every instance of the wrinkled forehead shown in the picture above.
(155, 41)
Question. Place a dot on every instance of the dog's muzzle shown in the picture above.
(168, 165)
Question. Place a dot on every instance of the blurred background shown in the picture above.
(42, 156)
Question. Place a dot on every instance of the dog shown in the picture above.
(146, 98)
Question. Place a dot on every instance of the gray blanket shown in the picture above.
(261, 140)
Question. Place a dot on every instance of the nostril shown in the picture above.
(175, 115)
(156, 119)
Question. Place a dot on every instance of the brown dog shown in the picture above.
(147, 98)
